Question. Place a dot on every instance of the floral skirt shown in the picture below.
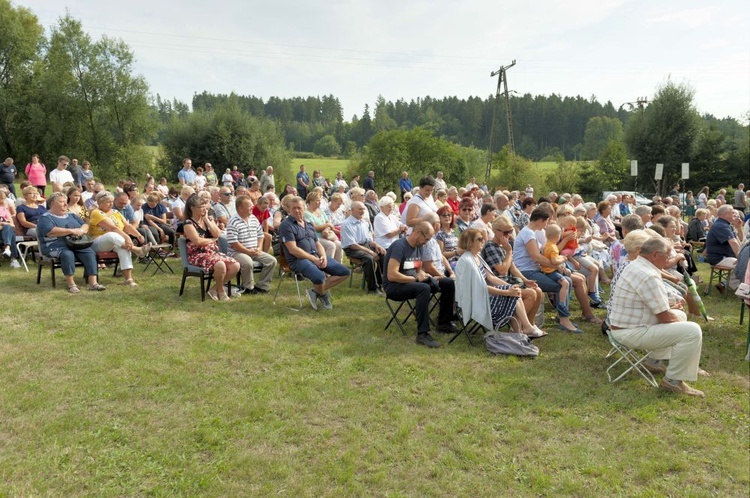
(206, 256)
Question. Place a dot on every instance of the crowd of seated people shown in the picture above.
(554, 244)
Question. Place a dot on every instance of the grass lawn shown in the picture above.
(136, 392)
(328, 166)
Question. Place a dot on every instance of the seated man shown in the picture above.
(357, 242)
(244, 237)
(224, 209)
(306, 256)
(641, 317)
(405, 279)
(433, 261)
(722, 243)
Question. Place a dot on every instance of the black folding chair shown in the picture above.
(395, 310)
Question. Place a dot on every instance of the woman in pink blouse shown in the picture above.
(36, 172)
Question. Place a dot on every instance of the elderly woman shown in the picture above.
(441, 198)
(7, 231)
(30, 211)
(484, 297)
(602, 219)
(498, 254)
(111, 232)
(336, 212)
(202, 250)
(387, 226)
(53, 227)
(324, 229)
(465, 214)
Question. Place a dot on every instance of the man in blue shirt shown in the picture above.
(306, 255)
(358, 243)
(404, 184)
(722, 241)
(187, 174)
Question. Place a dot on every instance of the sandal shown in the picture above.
(73, 289)
(592, 319)
(223, 297)
(97, 287)
(536, 333)
(213, 295)
(130, 283)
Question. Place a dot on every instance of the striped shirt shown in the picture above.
(246, 232)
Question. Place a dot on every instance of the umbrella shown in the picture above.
(696, 296)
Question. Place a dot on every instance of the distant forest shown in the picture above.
(543, 126)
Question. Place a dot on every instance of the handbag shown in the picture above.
(78, 242)
(510, 343)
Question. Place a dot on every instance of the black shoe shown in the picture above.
(258, 290)
(447, 328)
(427, 340)
(598, 305)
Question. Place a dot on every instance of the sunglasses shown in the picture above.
(226, 194)
(446, 215)
(507, 232)
(467, 209)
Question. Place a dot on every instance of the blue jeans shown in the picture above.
(316, 275)
(9, 239)
(68, 259)
(548, 284)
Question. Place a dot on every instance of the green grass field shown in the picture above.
(328, 167)
(139, 392)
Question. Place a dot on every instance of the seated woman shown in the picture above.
(202, 249)
(30, 211)
(336, 212)
(465, 214)
(324, 229)
(75, 203)
(528, 257)
(53, 227)
(695, 231)
(7, 231)
(484, 297)
(446, 236)
(112, 233)
(387, 228)
(498, 254)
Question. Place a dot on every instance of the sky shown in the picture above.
(614, 50)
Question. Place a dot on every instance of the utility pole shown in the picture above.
(502, 83)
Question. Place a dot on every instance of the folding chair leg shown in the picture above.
(394, 314)
(632, 358)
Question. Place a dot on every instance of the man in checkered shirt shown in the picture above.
(641, 317)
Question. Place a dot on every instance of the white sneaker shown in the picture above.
(6, 252)
(14, 263)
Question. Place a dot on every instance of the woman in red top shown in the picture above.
(261, 211)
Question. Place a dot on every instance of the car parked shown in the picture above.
(640, 199)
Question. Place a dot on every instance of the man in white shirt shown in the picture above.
(357, 242)
(60, 175)
(178, 205)
(244, 241)
(641, 317)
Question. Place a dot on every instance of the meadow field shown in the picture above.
(139, 392)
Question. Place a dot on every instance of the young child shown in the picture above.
(594, 269)
(551, 252)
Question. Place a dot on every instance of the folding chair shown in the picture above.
(158, 257)
(631, 357)
(189, 270)
(356, 264)
(285, 270)
(721, 273)
(395, 310)
(469, 329)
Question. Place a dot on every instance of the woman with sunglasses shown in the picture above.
(465, 214)
(498, 253)
(446, 236)
(484, 297)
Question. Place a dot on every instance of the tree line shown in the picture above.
(66, 93)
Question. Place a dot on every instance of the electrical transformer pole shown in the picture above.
(502, 85)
